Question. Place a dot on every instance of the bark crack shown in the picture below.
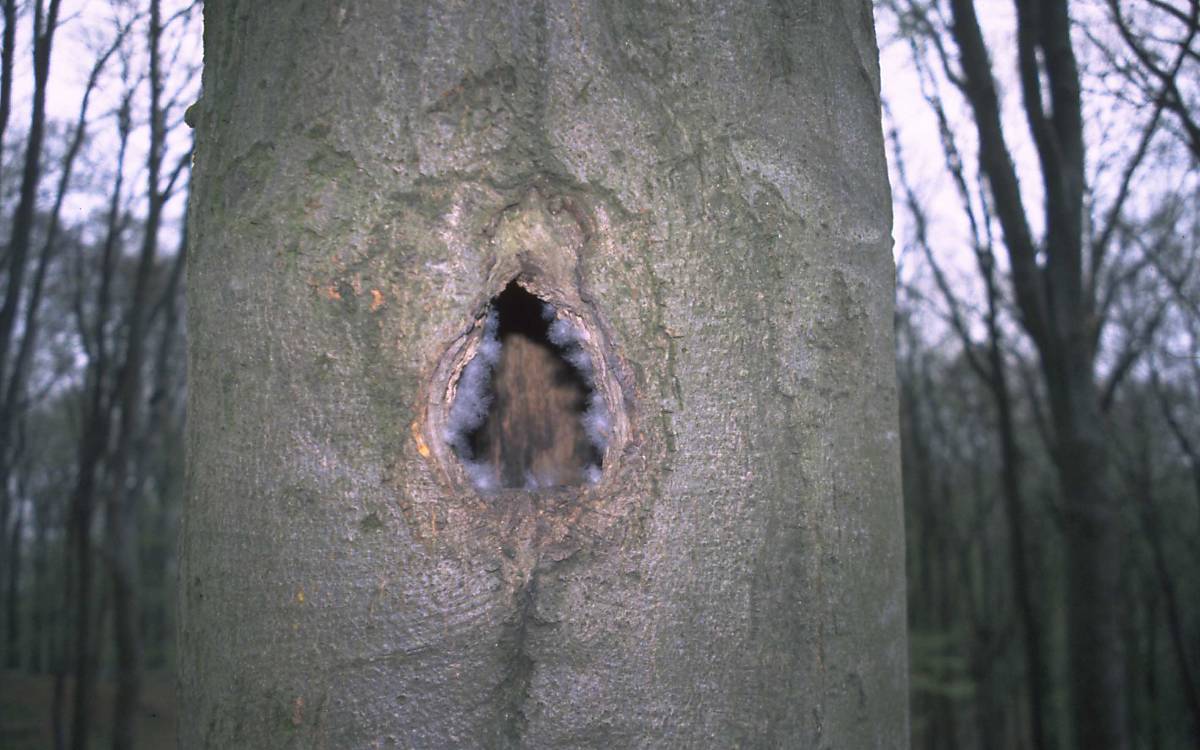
(514, 689)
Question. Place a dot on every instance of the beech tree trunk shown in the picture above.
(699, 194)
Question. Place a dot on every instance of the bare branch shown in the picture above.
(996, 162)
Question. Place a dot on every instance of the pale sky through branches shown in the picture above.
(1114, 120)
(86, 29)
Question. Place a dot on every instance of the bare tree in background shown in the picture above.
(1066, 280)
(1161, 38)
(17, 256)
(90, 319)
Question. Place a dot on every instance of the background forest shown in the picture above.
(1046, 170)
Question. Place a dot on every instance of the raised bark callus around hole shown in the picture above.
(526, 412)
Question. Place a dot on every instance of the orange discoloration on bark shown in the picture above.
(377, 302)
(422, 447)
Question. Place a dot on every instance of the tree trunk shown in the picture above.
(43, 590)
(79, 596)
(1142, 486)
(1021, 554)
(1095, 659)
(12, 604)
(698, 198)
(122, 508)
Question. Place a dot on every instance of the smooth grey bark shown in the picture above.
(702, 190)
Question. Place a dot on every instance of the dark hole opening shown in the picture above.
(539, 422)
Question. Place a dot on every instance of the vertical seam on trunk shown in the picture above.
(514, 690)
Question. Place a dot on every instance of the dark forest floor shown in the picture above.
(25, 711)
